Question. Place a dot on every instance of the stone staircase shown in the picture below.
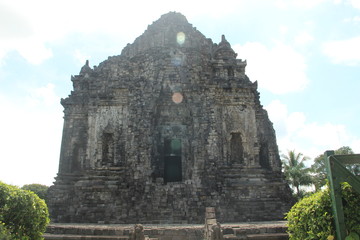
(239, 231)
(275, 230)
(87, 231)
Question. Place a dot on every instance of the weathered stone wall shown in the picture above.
(167, 128)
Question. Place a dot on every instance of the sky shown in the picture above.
(305, 55)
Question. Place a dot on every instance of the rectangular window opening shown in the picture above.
(172, 160)
(107, 149)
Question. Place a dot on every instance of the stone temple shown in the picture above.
(169, 127)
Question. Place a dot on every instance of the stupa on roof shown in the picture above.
(167, 128)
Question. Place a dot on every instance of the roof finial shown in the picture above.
(86, 68)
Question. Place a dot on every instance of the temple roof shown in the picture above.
(170, 30)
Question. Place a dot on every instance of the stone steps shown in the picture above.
(264, 236)
(268, 236)
(89, 229)
(275, 230)
(86, 231)
(48, 236)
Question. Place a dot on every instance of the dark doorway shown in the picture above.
(172, 160)
(108, 149)
(236, 148)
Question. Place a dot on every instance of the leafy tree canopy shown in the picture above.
(38, 189)
(319, 169)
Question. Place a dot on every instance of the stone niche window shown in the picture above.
(108, 149)
(172, 160)
(236, 148)
(230, 71)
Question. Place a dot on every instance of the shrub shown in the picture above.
(23, 213)
(4, 233)
(312, 217)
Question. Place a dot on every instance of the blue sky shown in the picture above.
(305, 55)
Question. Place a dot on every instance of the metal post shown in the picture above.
(335, 194)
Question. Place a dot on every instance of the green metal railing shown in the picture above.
(337, 173)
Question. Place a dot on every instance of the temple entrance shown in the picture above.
(172, 160)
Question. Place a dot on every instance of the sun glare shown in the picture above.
(177, 97)
(180, 38)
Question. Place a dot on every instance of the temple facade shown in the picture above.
(167, 128)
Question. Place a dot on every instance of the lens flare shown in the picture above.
(180, 38)
(177, 97)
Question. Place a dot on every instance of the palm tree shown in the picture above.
(296, 173)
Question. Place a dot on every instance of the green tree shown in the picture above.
(354, 168)
(38, 189)
(319, 169)
(295, 171)
(23, 214)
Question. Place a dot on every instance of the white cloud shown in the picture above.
(12, 24)
(43, 96)
(283, 30)
(279, 69)
(81, 57)
(34, 51)
(355, 3)
(282, 119)
(36, 23)
(307, 3)
(343, 51)
(356, 145)
(324, 135)
(355, 19)
(284, 4)
(303, 38)
(19, 33)
(295, 132)
(30, 138)
(281, 4)
(295, 121)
